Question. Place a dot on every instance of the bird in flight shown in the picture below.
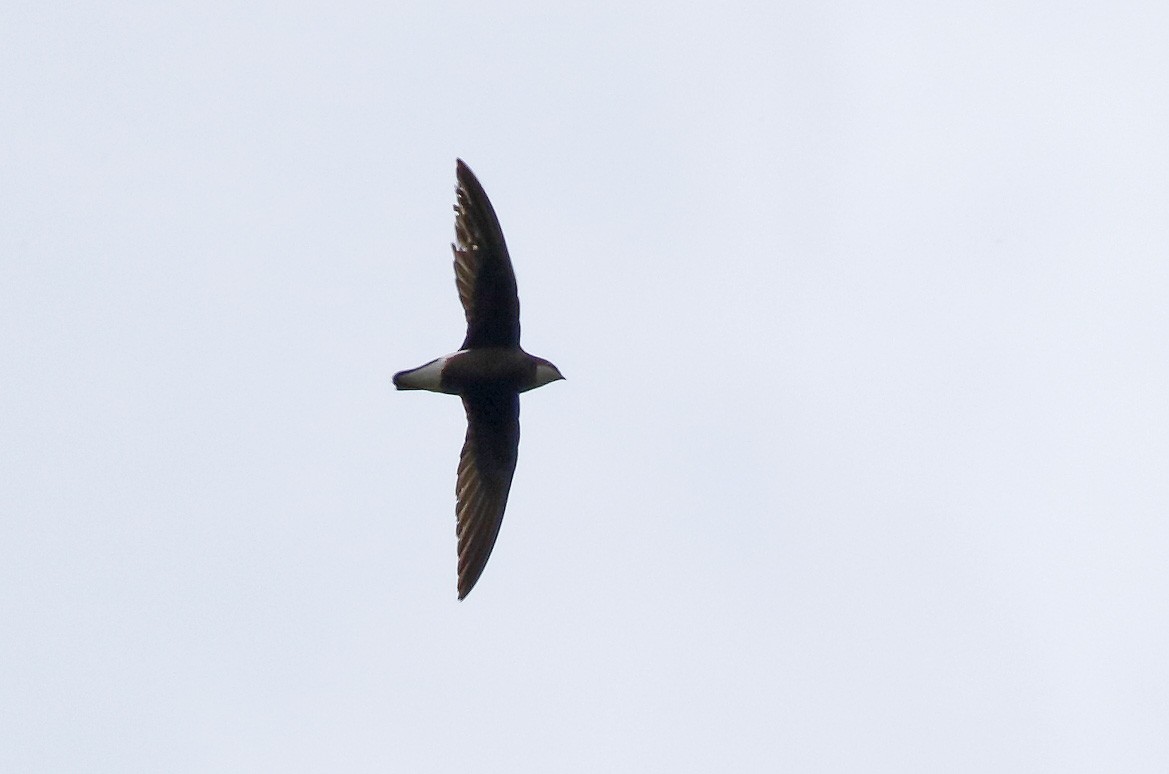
(489, 372)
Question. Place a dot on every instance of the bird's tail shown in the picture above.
(424, 377)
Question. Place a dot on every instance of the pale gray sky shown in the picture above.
(861, 464)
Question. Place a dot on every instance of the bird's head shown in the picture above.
(545, 373)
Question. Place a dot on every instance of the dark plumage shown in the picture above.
(488, 372)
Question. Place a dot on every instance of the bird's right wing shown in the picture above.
(483, 272)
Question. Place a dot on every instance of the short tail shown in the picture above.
(402, 381)
(424, 377)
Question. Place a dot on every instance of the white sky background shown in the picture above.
(862, 463)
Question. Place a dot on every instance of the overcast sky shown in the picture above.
(862, 460)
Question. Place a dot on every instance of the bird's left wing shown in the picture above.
(486, 466)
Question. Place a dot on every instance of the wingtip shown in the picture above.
(464, 173)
